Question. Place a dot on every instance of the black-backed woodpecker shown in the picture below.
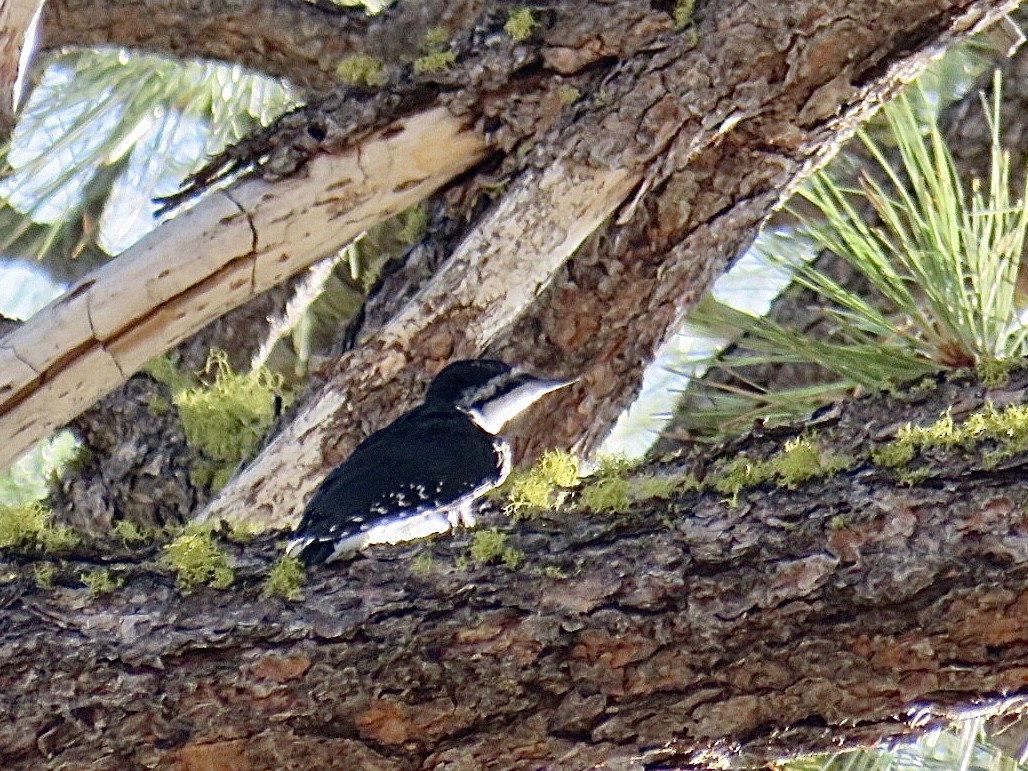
(423, 472)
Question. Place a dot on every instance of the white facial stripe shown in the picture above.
(494, 414)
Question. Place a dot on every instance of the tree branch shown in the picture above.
(706, 159)
(207, 261)
(18, 22)
(669, 633)
(293, 39)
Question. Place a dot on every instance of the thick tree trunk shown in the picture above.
(968, 135)
(847, 610)
(641, 638)
(693, 140)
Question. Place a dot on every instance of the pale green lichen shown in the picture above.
(797, 462)
(913, 477)
(995, 373)
(606, 494)
(415, 223)
(543, 487)
(488, 546)
(196, 560)
(893, 454)
(614, 487)
(421, 565)
(101, 582)
(285, 579)
(607, 488)
(925, 386)
(555, 572)
(683, 13)
(159, 405)
(649, 486)
(29, 526)
(568, 94)
(520, 24)
(1006, 428)
(362, 70)
(163, 370)
(436, 38)
(436, 61)
(733, 477)
(227, 418)
(43, 573)
(800, 461)
(128, 532)
(243, 532)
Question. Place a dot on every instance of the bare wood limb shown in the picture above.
(19, 21)
(707, 159)
(207, 261)
(483, 285)
(627, 289)
(663, 635)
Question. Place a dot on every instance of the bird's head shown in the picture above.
(489, 391)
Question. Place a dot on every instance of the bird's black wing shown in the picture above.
(430, 457)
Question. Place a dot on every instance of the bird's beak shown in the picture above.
(493, 415)
(549, 386)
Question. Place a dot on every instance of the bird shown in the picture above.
(421, 474)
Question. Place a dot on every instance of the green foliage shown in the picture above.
(29, 526)
(544, 486)
(489, 546)
(436, 61)
(964, 745)
(128, 532)
(941, 263)
(27, 480)
(285, 579)
(196, 560)
(945, 256)
(520, 24)
(362, 70)
(108, 112)
(101, 582)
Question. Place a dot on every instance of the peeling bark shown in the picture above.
(205, 262)
(18, 23)
(675, 633)
(713, 132)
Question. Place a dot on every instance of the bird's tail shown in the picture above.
(311, 551)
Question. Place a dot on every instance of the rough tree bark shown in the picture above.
(710, 132)
(968, 135)
(659, 639)
(676, 632)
